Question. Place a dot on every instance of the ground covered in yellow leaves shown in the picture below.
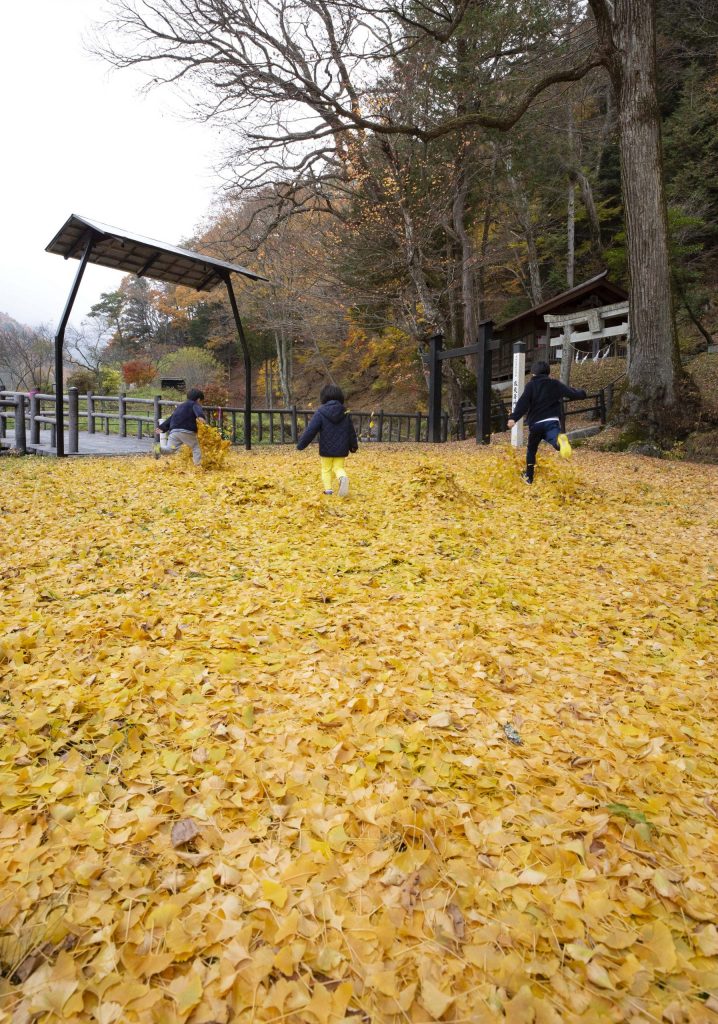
(445, 750)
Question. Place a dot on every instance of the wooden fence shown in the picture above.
(595, 406)
(124, 416)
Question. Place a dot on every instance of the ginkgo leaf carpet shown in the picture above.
(444, 750)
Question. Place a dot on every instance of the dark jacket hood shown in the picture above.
(333, 411)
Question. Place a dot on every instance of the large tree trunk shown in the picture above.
(570, 233)
(656, 400)
(523, 214)
(469, 291)
(283, 341)
(594, 223)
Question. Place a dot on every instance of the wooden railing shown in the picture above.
(598, 405)
(120, 414)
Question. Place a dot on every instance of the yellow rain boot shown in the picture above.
(564, 446)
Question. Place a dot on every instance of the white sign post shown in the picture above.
(517, 432)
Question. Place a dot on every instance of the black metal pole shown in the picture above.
(59, 342)
(247, 366)
(480, 364)
(487, 326)
(436, 343)
(483, 383)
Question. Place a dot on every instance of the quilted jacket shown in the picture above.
(337, 436)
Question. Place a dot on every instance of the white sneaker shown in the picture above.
(343, 486)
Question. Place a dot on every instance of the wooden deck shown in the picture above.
(89, 444)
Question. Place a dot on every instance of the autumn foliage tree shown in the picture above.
(465, 153)
(138, 372)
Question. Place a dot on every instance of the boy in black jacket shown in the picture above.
(182, 425)
(337, 437)
(541, 404)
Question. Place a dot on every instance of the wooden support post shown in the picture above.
(122, 412)
(566, 354)
(486, 411)
(294, 424)
(90, 413)
(436, 343)
(608, 399)
(417, 436)
(247, 364)
(20, 436)
(34, 424)
(73, 421)
(517, 386)
(483, 382)
(88, 240)
(271, 426)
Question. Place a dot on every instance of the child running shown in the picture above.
(541, 404)
(337, 438)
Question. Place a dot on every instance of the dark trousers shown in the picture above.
(540, 432)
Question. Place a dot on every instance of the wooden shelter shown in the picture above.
(531, 327)
(89, 241)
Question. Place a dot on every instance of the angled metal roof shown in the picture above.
(614, 292)
(144, 257)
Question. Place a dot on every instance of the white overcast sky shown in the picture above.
(77, 137)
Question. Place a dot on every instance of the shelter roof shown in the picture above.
(605, 290)
(144, 257)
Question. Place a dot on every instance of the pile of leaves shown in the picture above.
(444, 750)
(213, 446)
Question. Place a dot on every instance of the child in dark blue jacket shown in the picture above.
(541, 404)
(337, 437)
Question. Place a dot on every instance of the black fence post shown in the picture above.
(294, 424)
(417, 435)
(34, 423)
(90, 413)
(20, 436)
(608, 399)
(483, 383)
(436, 343)
(122, 413)
(73, 421)
(380, 425)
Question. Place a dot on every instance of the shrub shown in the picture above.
(138, 371)
(215, 394)
(196, 367)
(110, 382)
(83, 380)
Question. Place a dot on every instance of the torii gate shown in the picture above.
(93, 242)
(596, 330)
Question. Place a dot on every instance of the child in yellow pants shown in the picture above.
(334, 468)
(337, 437)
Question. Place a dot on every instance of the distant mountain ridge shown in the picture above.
(8, 321)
